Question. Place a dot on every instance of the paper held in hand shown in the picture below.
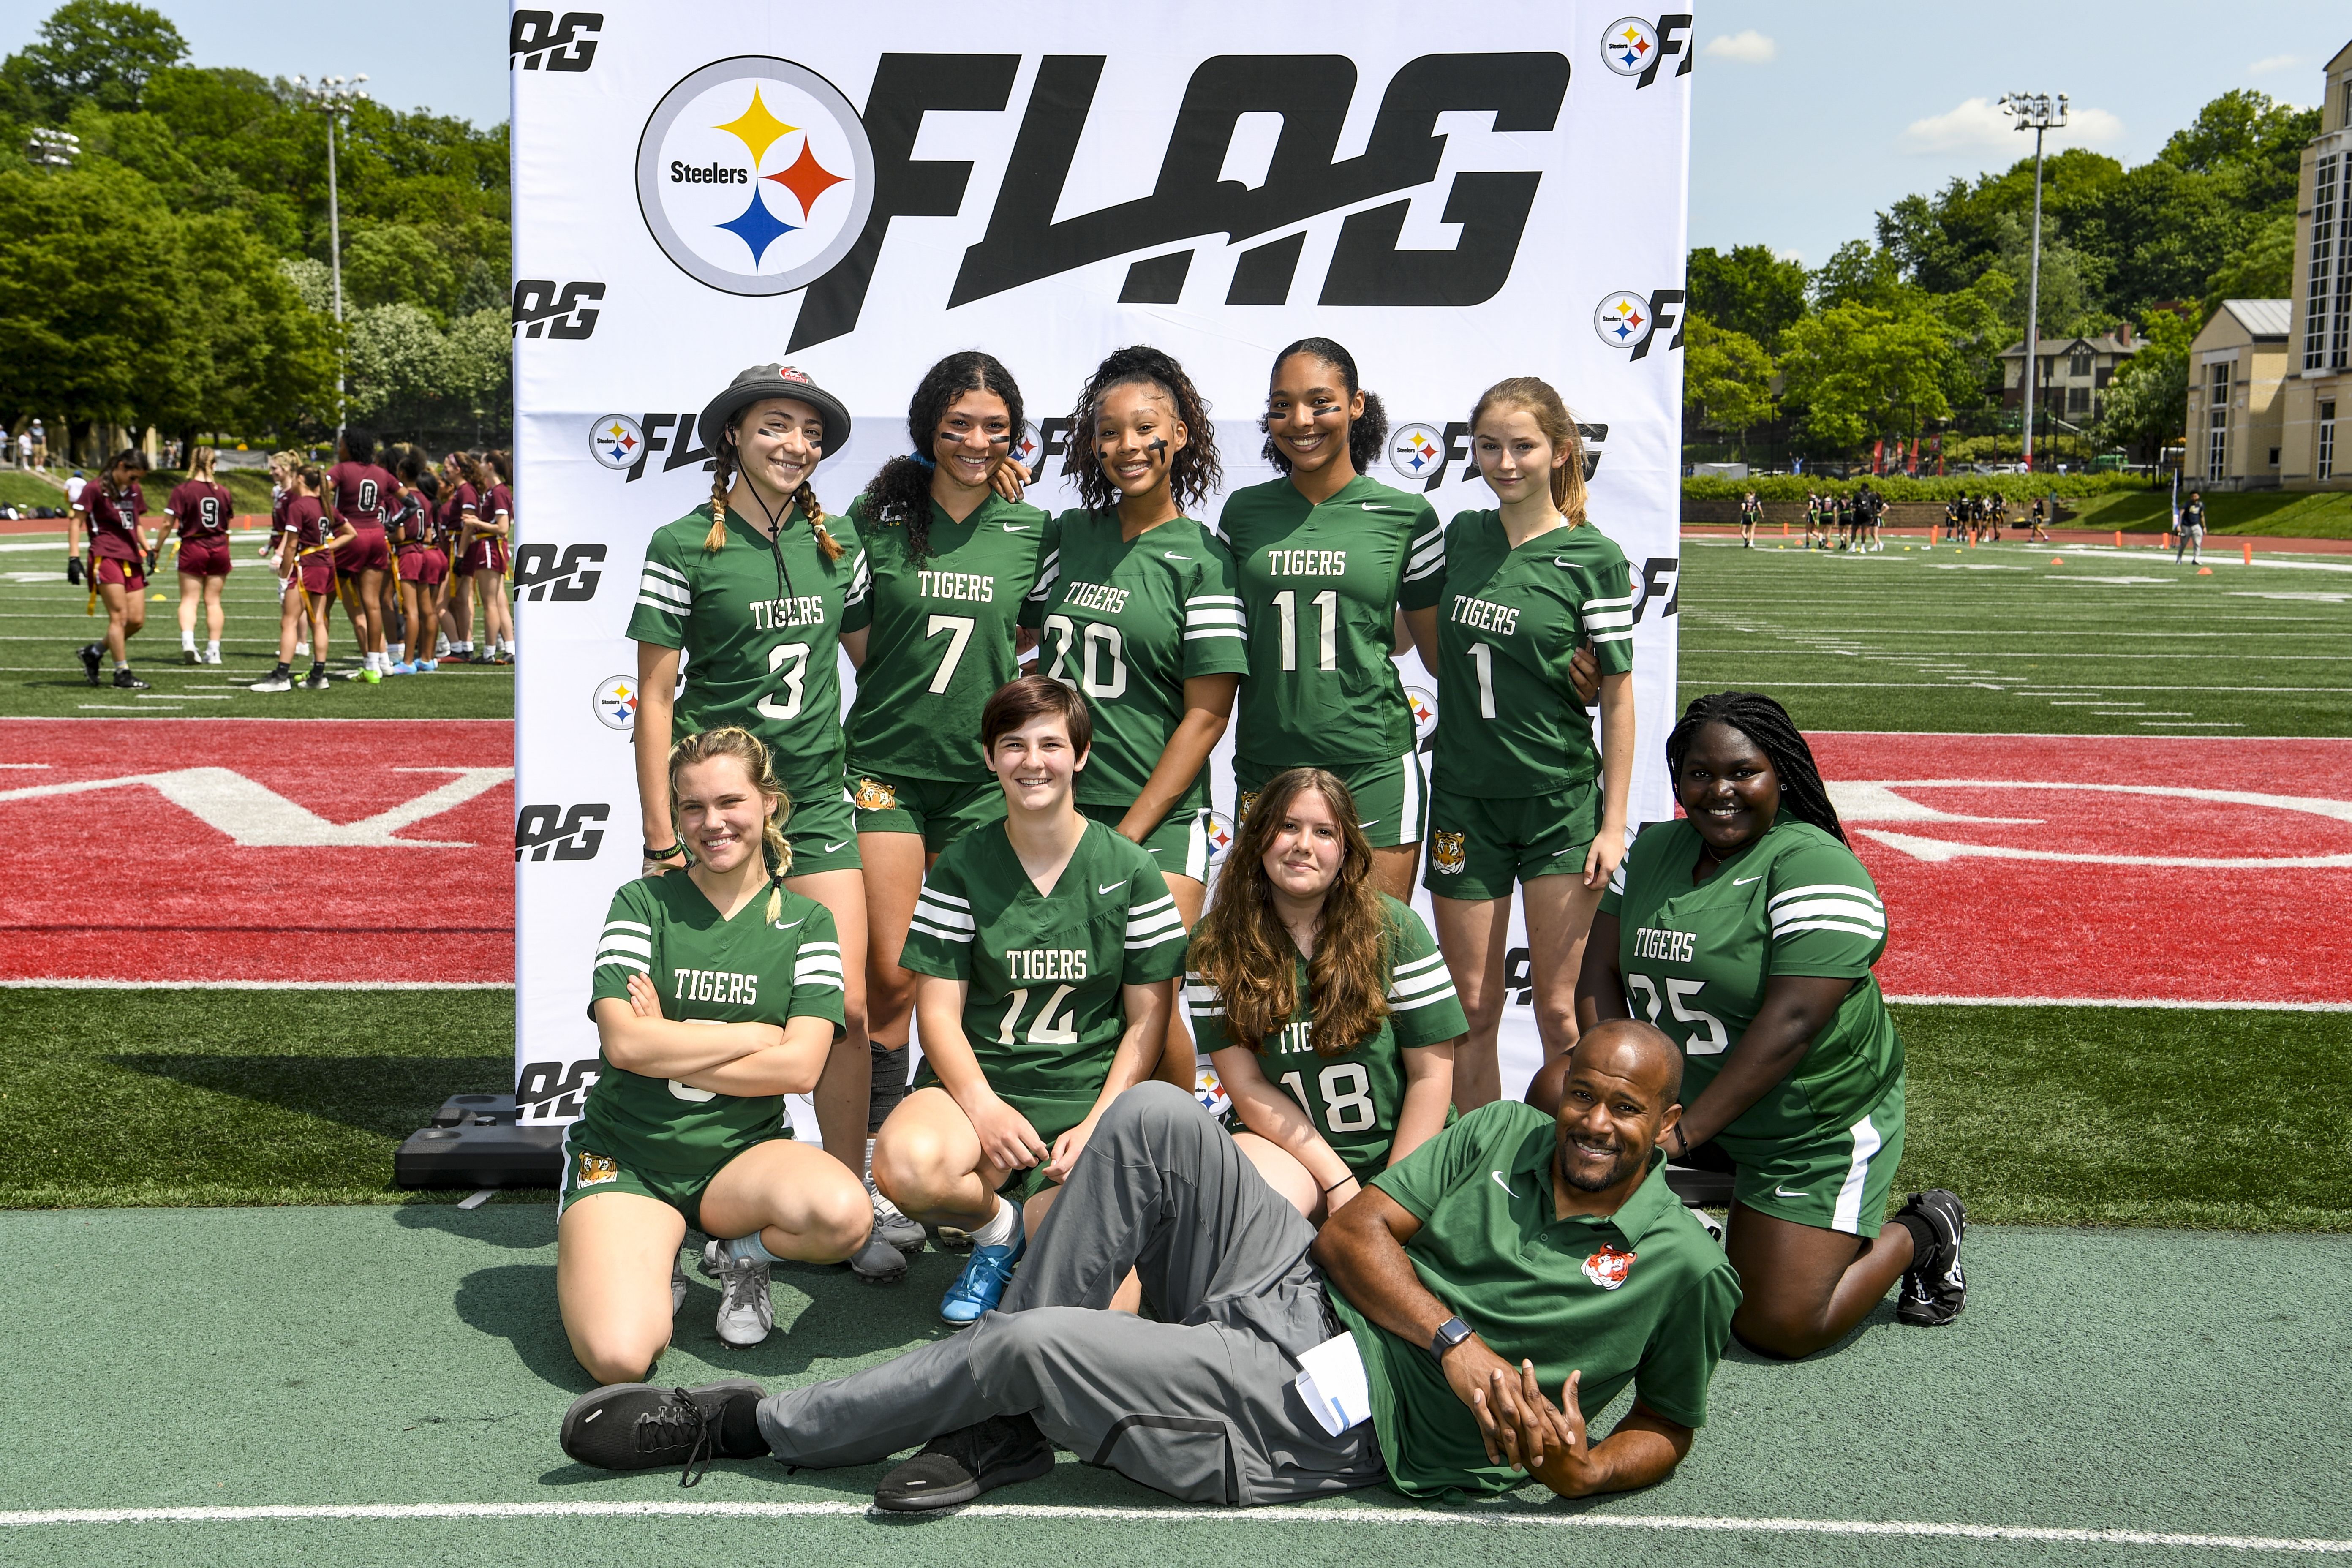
(1331, 1380)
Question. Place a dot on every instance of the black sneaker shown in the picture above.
(1934, 1288)
(317, 679)
(637, 1427)
(90, 654)
(959, 1467)
(126, 681)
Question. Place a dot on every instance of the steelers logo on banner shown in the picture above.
(1221, 837)
(616, 441)
(1027, 449)
(1424, 712)
(617, 703)
(1623, 320)
(1416, 451)
(755, 175)
(1628, 45)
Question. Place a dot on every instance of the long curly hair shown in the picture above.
(1766, 723)
(1536, 397)
(1242, 949)
(900, 495)
(722, 479)
(1193, 473)
(759, 765)
(1365, 436)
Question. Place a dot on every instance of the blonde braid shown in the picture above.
(811, 508)
(723, 474)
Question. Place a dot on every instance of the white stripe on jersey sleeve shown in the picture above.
(861, 583)
(1213, 616)
(1049, 572)
(1810, 888)
(675, 577)
(665, 593)
(1617, 878)
(1428, 556)
(1625, 636)
(1830, 925)
(936, 919)
(1418, 982)
(1626, 602)
(622, 941)
(1151, 924)
(1606, 620)
(620, 960)
(1202, 999)
(1854, 909)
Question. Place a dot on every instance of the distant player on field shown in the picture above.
(201, 506)
(308, 568)
(358, 492)
(1746, 931)
(1751, 512)
(2188, 529)
(106, 509)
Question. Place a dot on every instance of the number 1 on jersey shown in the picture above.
(1328, 601)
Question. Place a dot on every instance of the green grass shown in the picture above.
(1977, 640)
(23, 489)
(2274, 513)
(43, 619)
(250, 486)
(169, 1098)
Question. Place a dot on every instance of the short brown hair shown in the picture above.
(1017, 702)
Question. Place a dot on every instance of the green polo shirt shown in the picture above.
(1643, 1296)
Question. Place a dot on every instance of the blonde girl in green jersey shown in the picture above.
(1139, 610)
(753, 588)
(717, 992)
(1337, 571)
(1519, 794)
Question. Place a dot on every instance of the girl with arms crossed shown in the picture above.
(202, 508)
(1746, 931)
(1328, 557)
(1519, 794)
(718, 991)
(1304, 976)
(1046, 943)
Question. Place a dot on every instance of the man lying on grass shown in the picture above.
(1511, 1261)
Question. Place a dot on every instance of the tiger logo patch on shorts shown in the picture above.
(1446, 853)
(873, 794)
(1242, 806)
(595, 1168)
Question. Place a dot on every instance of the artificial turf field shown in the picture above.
(326, 1371)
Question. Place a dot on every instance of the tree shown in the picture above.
(1864, 372)
(397, 264)
(409, 375)
(2245, 134)
(2146, 405)
(258, 357)
(96, 52)
(2264, 269)
(1750, 290)
(1726, 378)
(1857, 275)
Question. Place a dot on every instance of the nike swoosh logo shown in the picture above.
(1013, 526)
(837, 848)
(1785, 1192)
(1173, 556)
(787, 925)
(1504, 1184)
(1374, 823)
(1107, 888)
(1562, 560)
(1371, 506)
(1743, 881)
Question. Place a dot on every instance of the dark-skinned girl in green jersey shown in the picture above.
(753, 589)
(1519, 793)
(1746, 931)
(1336, 571)
(717, 992)
(1137, 608)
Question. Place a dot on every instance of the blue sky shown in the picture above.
(1808, 115)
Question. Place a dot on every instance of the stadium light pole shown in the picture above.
(2037, 112)
(333, 96)
(52, 149)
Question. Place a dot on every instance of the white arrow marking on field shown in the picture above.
(1877, 803)
(258, 818)
(1940, 849)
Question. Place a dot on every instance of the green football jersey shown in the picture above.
(1695, 961)
(1320, 587)
(1128, 623)
(1042, 1013)
(941, 636)
(1510, 722)
(746, 969)
(760, 628)
(1353, 1098)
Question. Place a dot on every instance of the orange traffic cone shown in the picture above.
(2057, 561)
(2204, 570)
(2119, 539)
(2248, 546)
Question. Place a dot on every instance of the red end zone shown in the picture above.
(2123, 868)
(347, 852)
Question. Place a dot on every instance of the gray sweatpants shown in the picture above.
(1201, 1406)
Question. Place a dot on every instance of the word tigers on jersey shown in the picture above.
(1026, 963)
(714, 985)
(1094, 596)
(968, 585)
(1480, 615)
(772, 615)
(1673, 946)
(1306, 562)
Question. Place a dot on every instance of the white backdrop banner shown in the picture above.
(767, 182)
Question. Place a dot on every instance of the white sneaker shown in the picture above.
(212, 656)
(890, 1222)
(745, 1311)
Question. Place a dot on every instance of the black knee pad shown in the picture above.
(889, 1085)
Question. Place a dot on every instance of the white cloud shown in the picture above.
(2273, 63)
(2092, 128)
(1748, 47)
(1796, 256)
(1978, 125)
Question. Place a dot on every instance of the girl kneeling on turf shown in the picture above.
(1746, 931)
(685, 1125)
(1304, 974)
(1044, 945)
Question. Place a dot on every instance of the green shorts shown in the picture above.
(1178, 845)
(1835, 1180)
(938, 809)
(1021, 1186)
(1391, 795)
(823, 833)
(1478, 847)
(587, 1172)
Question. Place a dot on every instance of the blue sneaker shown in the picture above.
(986, 1274)
(402, 669)
(427, 666)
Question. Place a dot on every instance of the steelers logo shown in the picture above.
(755, 175)
(1028, 449)
(1221, 837)
(617, 703)
(1425, 712)
(1417, 451)
(616, 441)
(1623, 320)
(1628, 45)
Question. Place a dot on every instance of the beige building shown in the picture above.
(2319, 332)
(2236, 368)
(2073, 373)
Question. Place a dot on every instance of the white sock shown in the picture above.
(441, 649)
(188, 641)
(212, 650)
(1000, 1230)
(302, 648)
(750, 1249)
(395, 651)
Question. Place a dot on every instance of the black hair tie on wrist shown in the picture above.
(1338, 1185)
(654, 853)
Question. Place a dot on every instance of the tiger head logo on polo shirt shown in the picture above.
(1608, 1267)
(875, 796)
(595, 1168)
(1446, 853)
(1242, 806)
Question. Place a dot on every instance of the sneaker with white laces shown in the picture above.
(890, 1222)
(745, 1311)
(212, 656)
(1935, 1288)
(986, 1273)
(958, 1467)
(643, 1427)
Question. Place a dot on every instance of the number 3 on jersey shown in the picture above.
(1347, 1097)
(1716, 1040)
(795, 655)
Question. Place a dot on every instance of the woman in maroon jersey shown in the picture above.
(422, 567)
(358, 492)
(305, 559)
(109, 509)
(482, 557)
(202, 507)
(497, 513)
(458, 499)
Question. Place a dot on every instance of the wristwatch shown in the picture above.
(1451, 1332)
